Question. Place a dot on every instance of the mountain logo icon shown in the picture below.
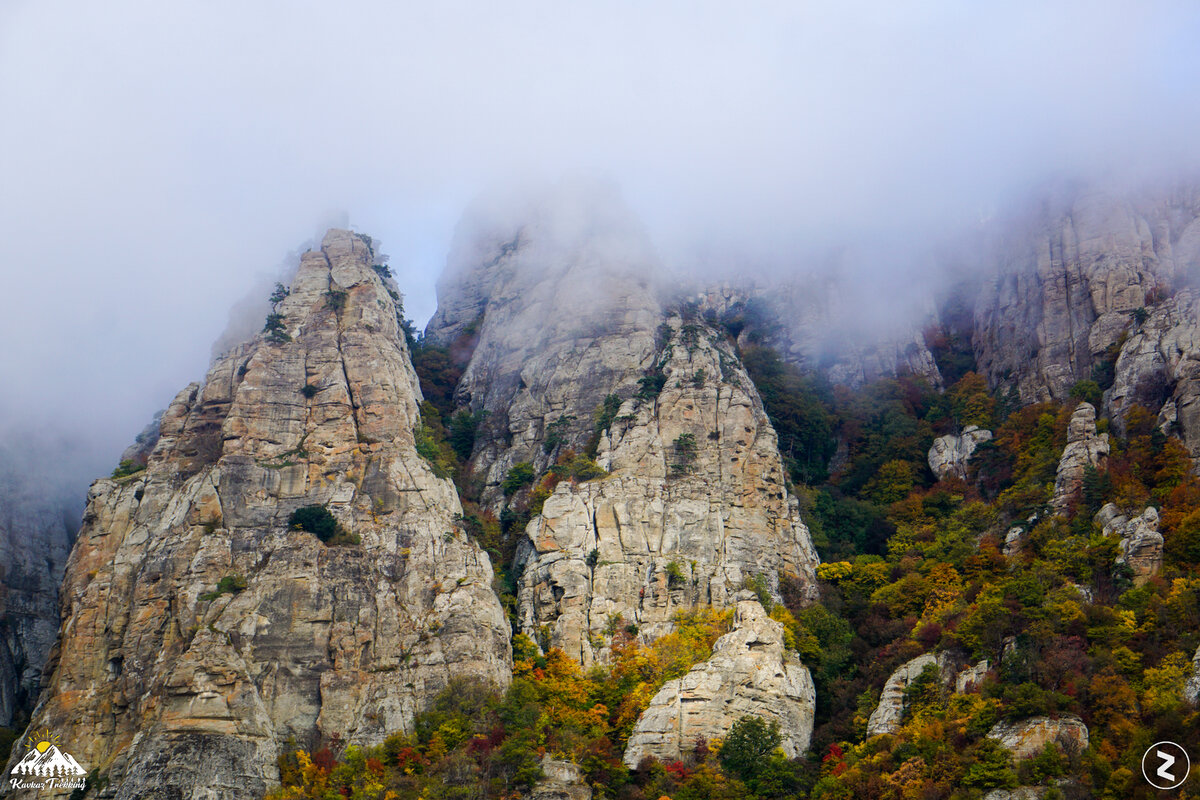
(46, 760)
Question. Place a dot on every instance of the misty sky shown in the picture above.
(159, 159)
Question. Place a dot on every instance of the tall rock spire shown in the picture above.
(201, 631)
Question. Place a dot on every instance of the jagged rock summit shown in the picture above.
(200, 632)
(569, 348)
(751, 672)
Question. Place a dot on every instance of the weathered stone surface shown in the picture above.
(1084, 449)
(1141, 543)
(561, 780)
(1159, 369)
(889, 712)
(750, 673)
(1068, 278)
(172, 691)
(1191, 690)
(673, 526)
(1019, 793)
(38, 520)
(553, 306)
(971, 678)
(950, 454)
(557, 300)
(1028, 737)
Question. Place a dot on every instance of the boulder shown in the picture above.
(950, 453)
(1141, 543)
(561, 780)
(751, 672)
(1028, 737)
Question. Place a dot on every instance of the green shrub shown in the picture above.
(230, 584)
(279, 295)
(382, 270)
(675, 576)
(336, 298)
(127, 468)
(1088, 391)
(758, 584)
(317, 520)
(556, 432)
(651, 386)
(463, 426)
(749, 744)
(309, 390)
(520, 475)
(685, 454)
(604, 417)
(275, 329)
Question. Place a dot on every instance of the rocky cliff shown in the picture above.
(1069, 279)
(751, 672)
(577, 351)
(200, 630)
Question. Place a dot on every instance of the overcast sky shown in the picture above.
(158, 158)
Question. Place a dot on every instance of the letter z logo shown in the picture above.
(1173, 765)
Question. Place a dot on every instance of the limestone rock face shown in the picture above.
(750, 673)
(950, 454)
(38, 521)
(889, 712)
(1068, 279)
(695, 505)
(554, 309)
(1191, 690)
(561, 780)
(1084, 448)
(172, 689)
(1019, 793)
(1028, 737)
(1141, 543)
(1159, 369)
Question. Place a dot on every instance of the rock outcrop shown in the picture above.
(1085, 448)
(1141, 543)
(200, 632)
(1069, 280)
(695, 506)
(949, 454)
(554, 310)
(1159, 369)
(561, 780)
(750, 672)
(1028, 737)
(888, 715)
(889, 712)
(1191, 690)
(1019, 793)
